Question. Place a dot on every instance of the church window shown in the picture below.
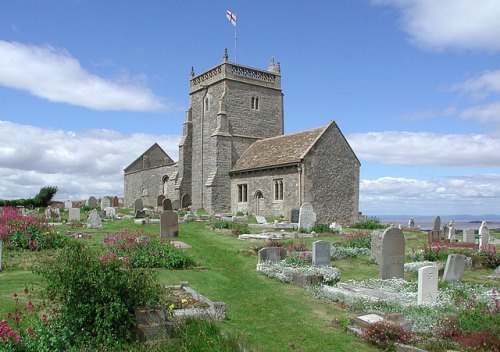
(255, 103)
(278, 189)
(242, 193)
(144, 192)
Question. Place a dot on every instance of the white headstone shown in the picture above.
(469, 236)
(261, 219)
(68, 204)
(427, 285)
(110, 212)
(451, 233)
(321, 253)
(392, 254)
(106, 202)
(74, 214)
(94, 221)
(484, 235)
(307, 216)
(454, 269)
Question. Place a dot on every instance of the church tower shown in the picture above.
(231, 106)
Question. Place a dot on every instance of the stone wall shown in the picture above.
(149, 179)
(331, 178)
(263, 181)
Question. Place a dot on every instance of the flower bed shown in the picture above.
(285, 272)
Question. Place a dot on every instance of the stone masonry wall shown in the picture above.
(264, 181)
(331, 178)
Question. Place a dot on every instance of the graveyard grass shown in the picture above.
(262, 314)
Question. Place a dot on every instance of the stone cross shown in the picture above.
(321, 253)
(392, 257)
(469, 236)
(427, 285)
(169, 224)
(484, 235)
(94, 221)
(167, 204)
(138, 204)
(307, 216)
(74, 214)
(454, 269)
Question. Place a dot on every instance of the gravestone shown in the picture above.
(445, 231)
(469, 236)
(167, 204)
(273, 254)
(110, 212)
(484, 235)
(68, 204)
(321, 253)
(427, 285)
(74, 214)
(159, 200)
(294, 216)
(260, 219)
(376, 245)
(105, 202)
(169, 224)
(307, 216)
(92, 202)
(496, 274)
(140, 214)
(176, 204)
(116, 202)
(392, 254)
(94, 220)
(138, 205)
(437, 224)
(454, 269)
(451, 233)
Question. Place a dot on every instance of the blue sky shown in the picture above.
(87, 86)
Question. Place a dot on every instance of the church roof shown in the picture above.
(158, 157)
(278, 151)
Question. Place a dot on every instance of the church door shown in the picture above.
(260, 203)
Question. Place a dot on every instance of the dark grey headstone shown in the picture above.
(437, 224)
(167, 204)
(454, 269)
(92, 202)
(138, 204)
(169, 224)
(159, 200)
(392, 256)
(294, 216)
(273, 254)
(321, 253)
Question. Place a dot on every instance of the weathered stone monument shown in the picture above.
(110, 212)
(105, 202)
(294, 216)
(307, 216)
(273, 254)
(68, 204)
(116, 202)
(92, 202)
(392, 254)
(451, 232)
(437, 224)
(94, 221)
(167, 204)
(321, 253)
(454, 269)
(176, 204)
(427, 285)
(260, 219)
(435, 234)
(484, 235)
(74, 214)
(138, 204)
(376, 245)
(169, 224)
(469, 236)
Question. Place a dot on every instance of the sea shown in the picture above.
(426, 223)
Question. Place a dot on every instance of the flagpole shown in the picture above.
(235, 52)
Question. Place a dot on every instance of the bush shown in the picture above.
(97, 298)
(221, 224)
(488, 256)
(356, 240)
(384, 334)
(370, 225)
(139, 251)
(323, 228)
(42, 199)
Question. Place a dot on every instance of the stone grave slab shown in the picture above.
(169, 224)
(368, 319)
(74, 214)
(273, 254)
(105, 202)
(94, 220)
(427, 285)
(261, 219)
(469, 236)
(321, 253)
(376, 245)
(140, 214)
(454, 269)
(484, 235)
(307, 216)
(180, 244)
(392, 258)
(110, 212)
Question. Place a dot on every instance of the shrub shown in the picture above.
(384, 334)
(240, 213)
(357, 240)
(42, 199)
(97, 298)
(221, 224)
(323, 228)
(488, 256)
(370, 225)
(139, 251)
(239, 229)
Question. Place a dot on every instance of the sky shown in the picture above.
(88, 86)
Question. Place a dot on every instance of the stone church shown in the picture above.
(233, 155)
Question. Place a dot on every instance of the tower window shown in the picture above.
(242, 193)
(255, 103)
(278, 189)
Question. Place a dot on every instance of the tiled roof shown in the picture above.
(276, 151)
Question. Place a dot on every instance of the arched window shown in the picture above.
(144, 192)
(278, 189)
(164, 182)
(254, 103)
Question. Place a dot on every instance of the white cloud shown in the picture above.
(489, 113)
(427, 149)
(455, 24)
(80, 164)
(482, 85)
(54, 75)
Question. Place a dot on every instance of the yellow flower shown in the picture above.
(171, 307)
(184, 300)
